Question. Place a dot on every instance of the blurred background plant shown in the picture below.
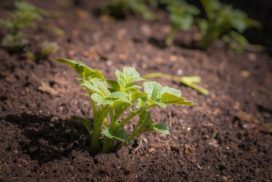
(223, 22)
(25, 15)
(213, 19)
(121, 8)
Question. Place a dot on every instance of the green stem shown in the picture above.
(99, 117)
(107, 145)
(96, 134)
(130, 117)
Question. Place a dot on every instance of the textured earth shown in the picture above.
(226, 136)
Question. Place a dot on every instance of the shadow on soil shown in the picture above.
(49, 138)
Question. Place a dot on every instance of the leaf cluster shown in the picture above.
(120, 8)
(115, 103)
(24, 16)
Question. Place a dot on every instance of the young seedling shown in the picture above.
(181, 17)
(189, 81)
(120, 8)
(225, 23)
(25, 15)
(116, 103)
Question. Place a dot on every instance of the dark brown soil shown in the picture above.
(226, 136)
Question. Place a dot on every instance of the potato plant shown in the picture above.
(120, 8)
(225, 23)
(24, 16)
(116, 103)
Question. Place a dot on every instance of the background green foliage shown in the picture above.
(224, 22)
(221, 22)
(120, 8)
(25, 15)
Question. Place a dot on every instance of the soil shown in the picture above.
(226, 136)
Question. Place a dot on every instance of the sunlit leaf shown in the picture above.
(168, 98)
(96, 85)
(127, 77)
(83, 70)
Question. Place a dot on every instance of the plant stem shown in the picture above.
(131, 116)
(107, 145)
(99, 117)
(96, 134)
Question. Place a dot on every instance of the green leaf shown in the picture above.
(123, 96)
(127, 77)
(136, 94)
(162, 96)
(114, 86)
(96, 85)
(100, 100)
(171, 91)
(119, 134)
(120, 100)
(161, 128)
(84, 71)
(153, 90)
(145, 121)
(168, 98)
